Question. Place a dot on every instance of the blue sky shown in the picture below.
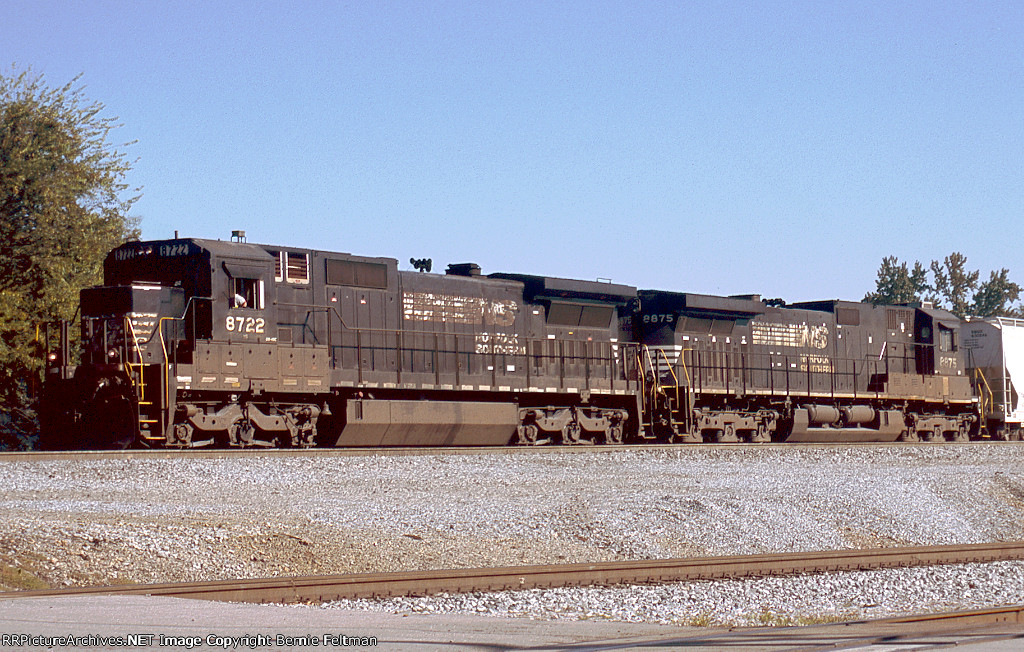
(780, 148)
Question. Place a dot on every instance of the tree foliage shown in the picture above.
(898, 284)
(995, 296)
(951, 286)
(63, 204)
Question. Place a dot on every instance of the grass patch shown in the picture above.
(827, 619)
(772, 619)
(19, 579)
(701, 620)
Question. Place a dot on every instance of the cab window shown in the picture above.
(945, 339)
(247, 293)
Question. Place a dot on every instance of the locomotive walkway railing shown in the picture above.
(469, 358)
(463, 357)
(802, 373)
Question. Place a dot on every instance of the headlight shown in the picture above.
(112, 355)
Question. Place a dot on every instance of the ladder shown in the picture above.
(986, 398)
(148, 401)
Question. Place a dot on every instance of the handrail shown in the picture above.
(850, 369)
(166, 359)
(140, 386)
(608, 366)
(184, 314)
(129, 327)
(661, 355)
(643, 376)
(986, 405)
(650, 363)
(668, 364)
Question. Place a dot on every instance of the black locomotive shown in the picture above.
(735, 368)
(196, 342)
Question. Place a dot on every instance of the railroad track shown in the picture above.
(465, 580)
(227, 453)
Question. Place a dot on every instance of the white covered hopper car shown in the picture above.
(994, 348)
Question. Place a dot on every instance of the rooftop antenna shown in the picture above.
(238, 236)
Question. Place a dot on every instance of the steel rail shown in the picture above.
(227, 453)
(465, 580)
(958, 619)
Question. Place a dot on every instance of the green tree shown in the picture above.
(897, 283)
(952, 286)
(63, 204)
(995, 296)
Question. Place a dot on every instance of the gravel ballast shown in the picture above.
(774, 601)
(166, 520)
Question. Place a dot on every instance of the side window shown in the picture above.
(572, 314)
(291, 266)
(847, 316)
(297, 270)
(597, 316)
(278, 267)
(564, 314)
(247, 293)
(945, 339)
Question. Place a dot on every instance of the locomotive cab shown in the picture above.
(935, 343)
(140, 332)
(244, 313)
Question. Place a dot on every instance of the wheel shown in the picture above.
(613, 435)
(963, 433)
(183, 434)
(761, 435)
(571, 433)
(527, 434)
(728, 434)
(240, 433)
